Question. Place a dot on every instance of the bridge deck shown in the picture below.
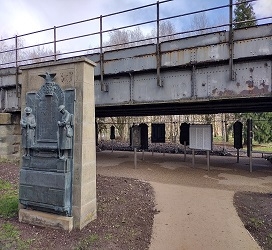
(187, 75)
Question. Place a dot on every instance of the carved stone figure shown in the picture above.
(28, 125)
(65, 131)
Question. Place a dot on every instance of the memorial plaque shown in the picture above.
(200, 136)
(158, 133)
(112, 132)
(184, 133)
(136, 136)
(238, 134)
(46, 173)
(144, 136)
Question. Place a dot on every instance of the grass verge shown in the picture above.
(8, 200)
(10, 238)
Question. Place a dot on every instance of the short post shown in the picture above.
(238, 155)
(135, 157)
(55, 43)
(250, 161)
(249, 142)
(112, 146)
(185, 151)
(208, 159)
(193, 157)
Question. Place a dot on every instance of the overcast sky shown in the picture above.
(23, 16)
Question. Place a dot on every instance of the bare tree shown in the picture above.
(8, 51)
(120, 124)
(24, 55)
(40, 54)
(124, 38)
(101, 126)
(118, 39)
(200, 23)
(167, 31)
(5, 57)
(128, 38)
(136, 36)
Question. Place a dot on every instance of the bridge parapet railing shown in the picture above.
(69, 40)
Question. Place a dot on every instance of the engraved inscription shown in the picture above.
(47, 110)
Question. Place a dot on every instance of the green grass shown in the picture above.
(8, 206)
(4, 185)
(269, 239)
(219, 139)
(8, 231)
(256, 222)
(10, 238)
(7, 160)
(8, 200)
(263, 148)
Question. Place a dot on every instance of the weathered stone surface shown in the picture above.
(10, 139)
(5, 118)
(45, 219)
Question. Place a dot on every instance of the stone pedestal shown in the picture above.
(75, 74)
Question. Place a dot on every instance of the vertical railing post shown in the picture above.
(193, 81)
(16, 51)
(231, 47)
(55, 43)
(158, 56)
(103, 87)
(16, 65)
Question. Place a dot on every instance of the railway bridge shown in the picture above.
(211, 73)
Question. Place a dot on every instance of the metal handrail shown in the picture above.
(104, 46)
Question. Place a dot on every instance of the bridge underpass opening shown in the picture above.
(223, 144)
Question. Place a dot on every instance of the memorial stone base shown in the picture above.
(39, 218)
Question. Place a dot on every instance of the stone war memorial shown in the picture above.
(58, 160)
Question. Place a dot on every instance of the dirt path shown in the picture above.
(196, 205)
